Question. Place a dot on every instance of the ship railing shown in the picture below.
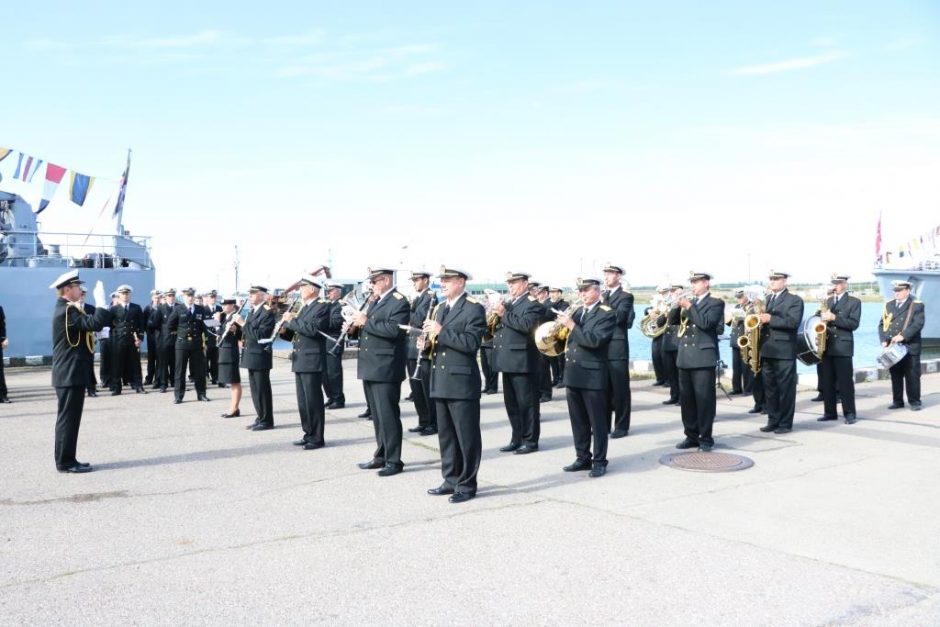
(88, 250)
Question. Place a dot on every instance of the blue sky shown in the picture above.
(545, 136)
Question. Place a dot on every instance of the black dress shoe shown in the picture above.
(115, 392)
(658, 384)
(850, 419)
(163, 390)
(365, 414)
(388, 471)
(176, 401)
(371, 464)
(736, 392)
(429, 431)
(312, 446)
(598, 470)
(491, 392)
(619, 433)
(757, 409)
(202, 397)
(300, 442)
(525, 449)
(559, 386)
(214, 382)
(221, 385)
(91, 393)
(781, 430)
(263, 426)
(155, 386)
(252, 425)
(826, 418)
(234, 414)
(896, 406)
(417, 429)
(83, 464)
(140, 389)
(578, 465)
(335, 405)
(671, 401)
(545, 398)
(440, 491)
(818, 398)
(916, 406)
(509, 448)
(705, 447)
(687, 443)
(460, 497)
(768, 428)
(76, 469)
(410, 397)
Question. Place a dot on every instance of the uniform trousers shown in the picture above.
(310, 405)
(697, 401)
(383, 400)
(259, 383)
(68, 420)
(618, 394)
(458, 431)
(587, 410)
(779, 377)
(906, 373)
(837, 378)
(521, 396)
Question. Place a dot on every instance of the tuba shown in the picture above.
(749, 341)
(551, 337)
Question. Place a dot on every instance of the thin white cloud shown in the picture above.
(202, 38)
(311, 38)
(377, 65)
(788, 65)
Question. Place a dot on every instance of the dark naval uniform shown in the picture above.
(152, 322)
(166, 362)
(558, 362)
(212, 348)
(189, 325)
(228, 353)
(778, 359)
(72, 358)
(618, 357)
(258, 359)
(670, 351)
(421, 387)
(3, 335)
(742, 378)
(381, 367)
(517, 358)
(696, 360)
(333, 378)
(908, 321)
(836, 371)
(586, 382)
(544, 361)
(455, 389)
(92, 381)
(307, 362)
(127, 326)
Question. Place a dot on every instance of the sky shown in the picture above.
(548, 137)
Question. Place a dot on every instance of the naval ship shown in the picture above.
(30, 261)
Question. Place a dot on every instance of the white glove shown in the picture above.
(98, 294)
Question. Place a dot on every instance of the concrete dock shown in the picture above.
(191, 519)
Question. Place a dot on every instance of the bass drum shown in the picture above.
(806, 341)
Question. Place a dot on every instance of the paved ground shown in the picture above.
(191, 519)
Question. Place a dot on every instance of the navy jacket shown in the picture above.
(778, 337)
(586, 354)
(698, 345)
(259, 325)
(514, 349)
(309, 346)
(454, 370)
(382, 350)
(73, 345)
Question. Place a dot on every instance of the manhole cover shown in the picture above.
(706, 462)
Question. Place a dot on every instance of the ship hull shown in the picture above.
(926, 288)
(28, 302)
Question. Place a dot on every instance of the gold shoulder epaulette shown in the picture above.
(471, 299)
(532, 298)
(918, 302)
(323, 300)
(397, 295)
(605, 308)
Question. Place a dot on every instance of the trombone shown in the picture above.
(292, 308)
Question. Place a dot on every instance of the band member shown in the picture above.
(820, 397)
(618, 351)
(780, 321)
(671, 347)
(455, 334)
(901, 323)
(187, 320)
(151, 317)
(305, 330)
(92, 386)
(127, 326)
(166, 363)
(490, 376)
(421, 365)
(701, 321)
(258, 357)
(4, 342)
(228, 356)
(517, 358)
(381, 367)
(545, 367)
(104, 342)
(590, 329)
(558, 362)
(72, 357)
(837, 374)
(742, 378)
(212, 349)
(333, 379)
(656, 344)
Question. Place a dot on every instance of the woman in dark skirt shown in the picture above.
(228, 356)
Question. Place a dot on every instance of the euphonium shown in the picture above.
(749, 342)
(649, 324)
(551, 337)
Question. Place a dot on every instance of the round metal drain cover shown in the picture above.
(706, 462)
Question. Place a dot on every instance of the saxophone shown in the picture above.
(821, 329)
(749, 342)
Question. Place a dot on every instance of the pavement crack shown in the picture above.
(92, 497)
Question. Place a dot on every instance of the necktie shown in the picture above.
(583, 313)
(444, 313)
(695, 301)
(192, 311)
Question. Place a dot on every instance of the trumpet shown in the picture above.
(421, 341)
(493, 298)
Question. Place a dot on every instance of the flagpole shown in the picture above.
(120, 208)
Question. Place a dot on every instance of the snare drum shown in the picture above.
(892, 354)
